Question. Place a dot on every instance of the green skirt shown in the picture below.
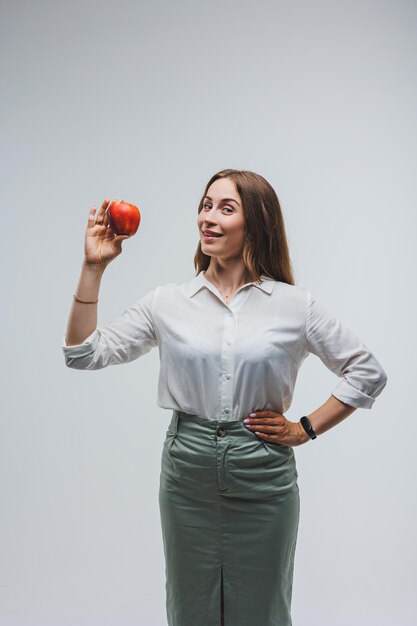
(229, 505)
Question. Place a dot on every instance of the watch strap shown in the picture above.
(306, 424)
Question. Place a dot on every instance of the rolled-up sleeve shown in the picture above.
(343, 352)
(122, 340)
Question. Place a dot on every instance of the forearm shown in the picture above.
(329, 414)
(82, 319)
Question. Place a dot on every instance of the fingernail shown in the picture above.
(246, 420)
(252, 415)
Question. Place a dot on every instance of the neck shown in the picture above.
(228, 276)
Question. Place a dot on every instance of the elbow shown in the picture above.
(377, 377)
(379, 381)
(73, 364)
(383, 379)
(80, 363)
(83, 356)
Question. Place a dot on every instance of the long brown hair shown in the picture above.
(265, 248)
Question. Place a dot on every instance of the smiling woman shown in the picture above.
(244, 207)
(221, 224)
(231, 343)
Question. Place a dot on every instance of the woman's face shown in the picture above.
(222, 214)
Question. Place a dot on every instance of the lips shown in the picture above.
(211, 233)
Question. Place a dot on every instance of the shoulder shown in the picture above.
(292, 293)
(292, 290)
(286, 302)
(172, 290)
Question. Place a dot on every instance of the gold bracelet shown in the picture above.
(85, 301)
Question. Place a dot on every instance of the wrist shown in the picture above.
(302, 435)
(96, 269)
(308, 427)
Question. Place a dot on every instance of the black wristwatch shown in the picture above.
(306, 424)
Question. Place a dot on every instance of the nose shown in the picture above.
(207, 218)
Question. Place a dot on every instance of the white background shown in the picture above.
(144, 101)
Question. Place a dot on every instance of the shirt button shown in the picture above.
(227, 411)
(220, 431)
(227, 377)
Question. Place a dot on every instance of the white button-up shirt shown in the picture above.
(224, 361)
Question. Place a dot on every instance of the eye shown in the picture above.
(208, 205)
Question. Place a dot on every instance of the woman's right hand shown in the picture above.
(101, 244)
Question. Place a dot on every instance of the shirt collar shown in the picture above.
(200, 281)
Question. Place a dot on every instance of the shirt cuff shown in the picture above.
(349, 395)
(88, 346)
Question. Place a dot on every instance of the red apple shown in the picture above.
(124, 217)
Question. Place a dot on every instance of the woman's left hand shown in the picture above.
(274, 427)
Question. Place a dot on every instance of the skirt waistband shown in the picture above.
(197, 426)
(210, 424)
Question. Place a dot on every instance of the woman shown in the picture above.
(231, 342)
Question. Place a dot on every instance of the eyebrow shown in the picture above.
(224, 199)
